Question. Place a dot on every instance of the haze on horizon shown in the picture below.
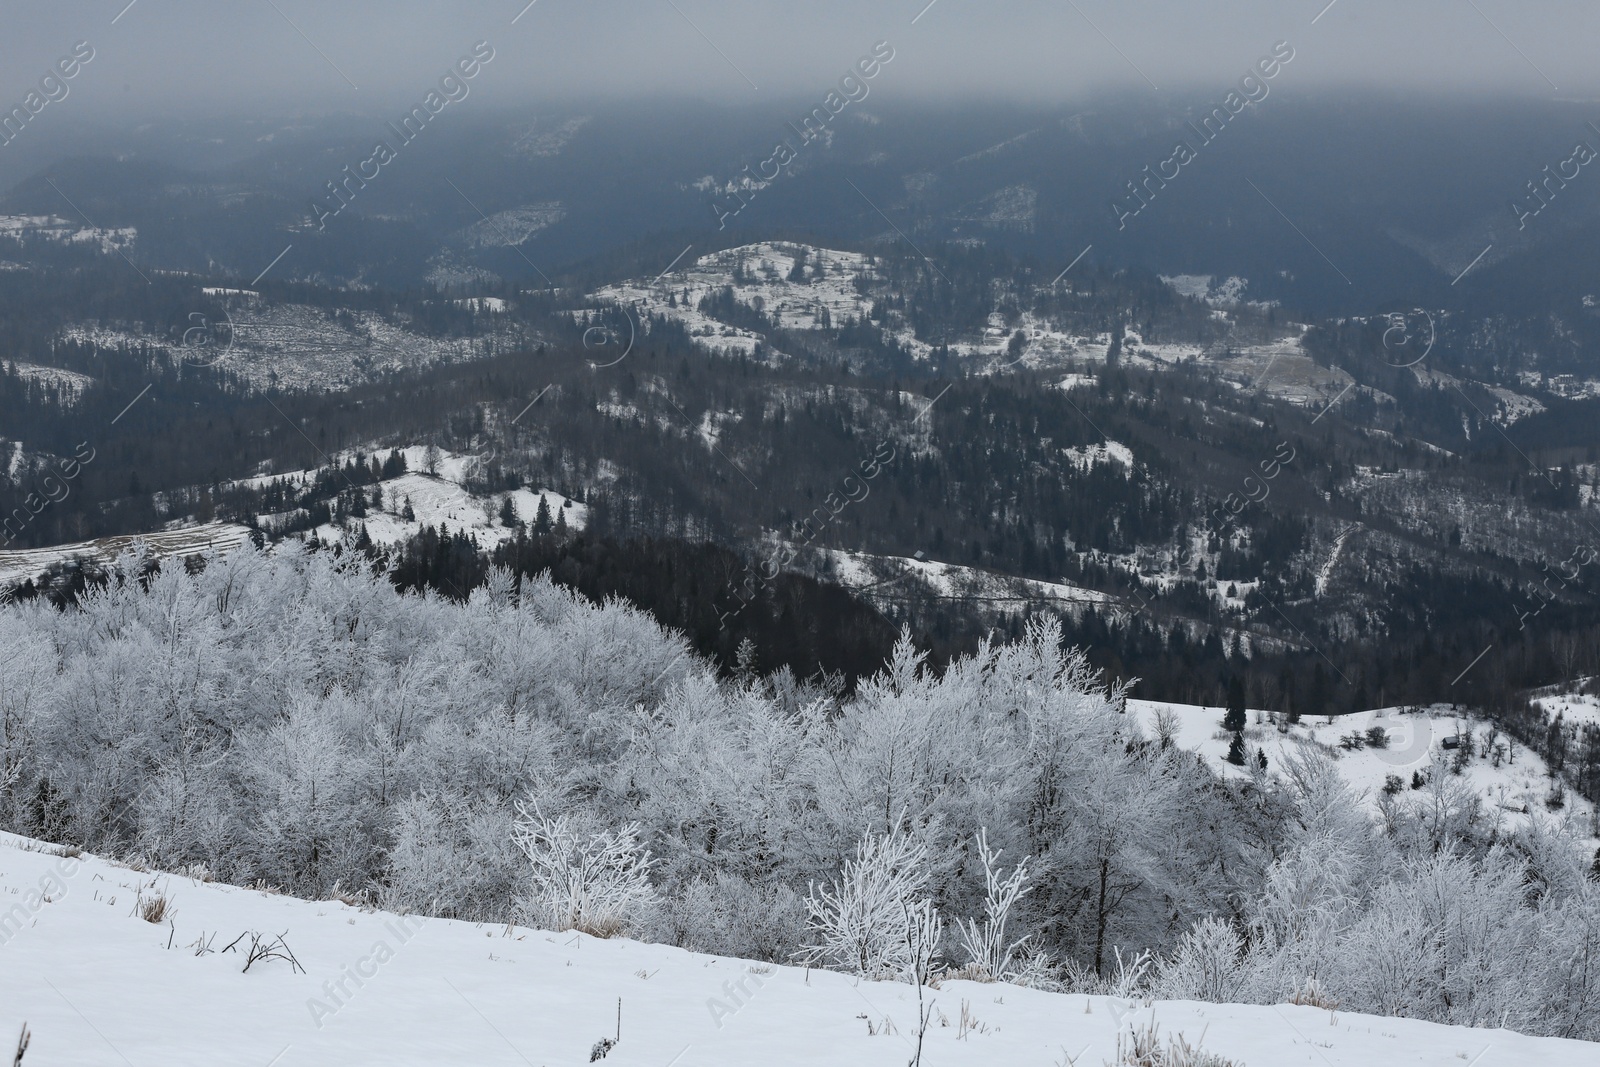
(185, 58)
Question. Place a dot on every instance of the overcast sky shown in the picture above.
(252, 56)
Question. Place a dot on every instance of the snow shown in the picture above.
(1511, 406)
(1092, 456)
(830, 287)
(1325, 572)
(436, 500)
(69, 384)
(1225, 293)
(299, 347)
(872, 576)
(1195, 286)
(512, 227)
(544, 138)
(1283, 369)
(52, 227)
(18, 566)
(1575, 708)
(97, 986)
(1516, 788)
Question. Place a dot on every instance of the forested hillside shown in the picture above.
(422, 749)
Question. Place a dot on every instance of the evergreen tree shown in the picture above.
(1236, 750)
(508, 513)
(1235, 718)
(541, 521)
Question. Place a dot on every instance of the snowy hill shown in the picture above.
(97, 984)
(808, 289)
(434, 500)
(1511, 780)
(19, 565)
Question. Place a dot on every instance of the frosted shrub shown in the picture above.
(725, 915)
(861, 922)
(989, 956)
(1206, 966)
(597, 883)
(1144, 1048)
(452, 857)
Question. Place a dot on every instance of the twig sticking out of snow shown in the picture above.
(259, 950)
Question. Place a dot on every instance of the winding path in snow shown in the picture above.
(1333, 557)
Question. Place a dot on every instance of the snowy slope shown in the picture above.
(1520, 784)
(68, 384)
(1576, 707)
(100, 987)
(300, 347)
(758, 275)
(435, 500)
(19, 565)
(875, 576)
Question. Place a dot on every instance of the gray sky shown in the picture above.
(244, 56)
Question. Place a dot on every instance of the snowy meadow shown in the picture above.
(290, 721)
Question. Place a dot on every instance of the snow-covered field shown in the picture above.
(758, 275)
(436, 500)
(1512, 786)
(18, 566)
(97, 985)
(835, 288)
(299, 347)
(886, 577)
(69, 385)
(55, 228)
(1574, 707)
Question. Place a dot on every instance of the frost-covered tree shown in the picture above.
(597, 881)
(873, 919)
(292, 718)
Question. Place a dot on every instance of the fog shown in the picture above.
(158, 58)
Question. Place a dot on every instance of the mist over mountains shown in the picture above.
(711, 508)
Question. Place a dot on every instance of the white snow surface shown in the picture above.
(19, 565)
(1519, 786)
(55, 228)
(1091, 456)
(1576, 707)
(436, 500)
(829, 287)
(300, 347)
(882, 576)
(68, 383)
(100, 987)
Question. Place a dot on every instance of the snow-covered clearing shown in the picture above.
(18, 566)
(1512, 787)
(1577, 708)
(55, 228)
(435, 500)
(758, 275)
(99, 986)
(1091, 456)
(299, 347)
(69, 384)
(874, 576)
(1326, 571)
